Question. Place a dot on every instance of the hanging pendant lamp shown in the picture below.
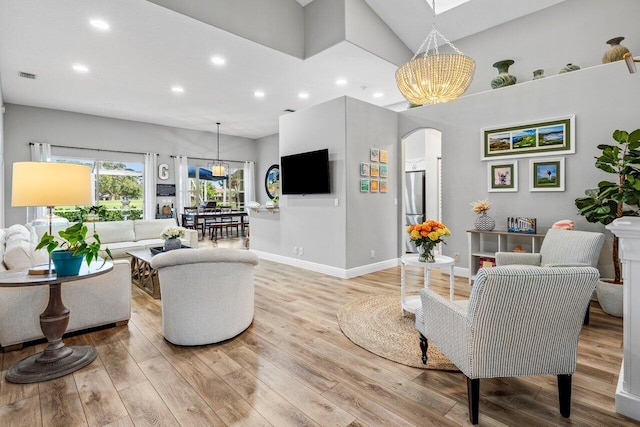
(431, 77)
(218, 167)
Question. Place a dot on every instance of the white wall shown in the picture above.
(603, 98)
(267, 154)
(2, 192)
(23, 125)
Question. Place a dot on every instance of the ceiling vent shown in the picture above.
(289, 110)
(27, 75)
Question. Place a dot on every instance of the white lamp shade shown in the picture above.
(50, 184)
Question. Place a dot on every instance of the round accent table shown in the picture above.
(410, 303)
(56, 360)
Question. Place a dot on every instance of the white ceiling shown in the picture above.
(149, 49)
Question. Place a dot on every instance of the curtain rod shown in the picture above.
(95, 149)
(209, 159)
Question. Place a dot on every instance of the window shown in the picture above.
(118, 190)
(205, 187)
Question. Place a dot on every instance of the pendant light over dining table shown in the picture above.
(218, 167)
(431, 77)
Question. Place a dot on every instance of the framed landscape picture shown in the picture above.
(384, 187)
(384, 171)
(374, 186)
(503, 176)
(554, 136)
(384, 157)
(375, 169)
(364, 185)
(546, 174)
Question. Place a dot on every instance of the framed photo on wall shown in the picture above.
(546, 174)
(503, 176)
(364, 185)
(364, 169)
(384, 156)
(375, 169)
(374, 186)
(384, 171)
(384, 187)
(374, 155)
(540, 138)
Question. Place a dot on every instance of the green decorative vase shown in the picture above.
(66, 263)
(568, 68)
(504, 78)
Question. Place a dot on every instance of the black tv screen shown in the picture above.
(306, 173)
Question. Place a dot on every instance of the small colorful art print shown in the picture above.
(384, 156)
(546, 175)
(374, 186)
(384, 187)
(364, 169)
(364, 185)
(374, 155)
(503, 176)
(554, 136)
(384, 171)
(375, 169)
(521, 225)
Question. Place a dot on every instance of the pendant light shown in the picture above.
(218, 167)
(432, 77)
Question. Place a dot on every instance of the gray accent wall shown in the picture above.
(267, 153)
(603, 99)
(336, 231)
(25, 124)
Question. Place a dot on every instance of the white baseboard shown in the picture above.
(327, 269)
(627, 404)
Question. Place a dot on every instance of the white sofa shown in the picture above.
(123, 236)
(93, 302)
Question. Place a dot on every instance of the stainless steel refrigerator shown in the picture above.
(414, 197)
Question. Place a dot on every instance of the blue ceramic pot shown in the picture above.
(66, 263)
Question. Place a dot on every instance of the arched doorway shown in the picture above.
(421, 180)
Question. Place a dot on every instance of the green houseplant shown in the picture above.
(73, 247)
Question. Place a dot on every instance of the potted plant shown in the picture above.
(614, 199)
(171, 236)
(72, 247)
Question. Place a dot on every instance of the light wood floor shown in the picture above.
(293, 366)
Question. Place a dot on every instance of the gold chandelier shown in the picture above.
(218, 167)
(431, 77)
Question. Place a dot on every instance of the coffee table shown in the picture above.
(142, 275)
(57, 359)
(410, 303)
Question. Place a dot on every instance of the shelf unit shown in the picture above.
(485, 244)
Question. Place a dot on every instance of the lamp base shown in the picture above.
(42, 270)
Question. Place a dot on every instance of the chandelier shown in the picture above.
(218, 167)
(431, 77)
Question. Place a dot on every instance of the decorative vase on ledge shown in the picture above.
(485, 223)
(615, 52)
(503, 78)
(568, 68)
(171, 244)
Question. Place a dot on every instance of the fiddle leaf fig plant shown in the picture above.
(73, 239)
(614, 199)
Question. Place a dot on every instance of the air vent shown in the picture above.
(27, 75)
(289, 110)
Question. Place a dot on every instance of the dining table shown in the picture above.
(204, 216)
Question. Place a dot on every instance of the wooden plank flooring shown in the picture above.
(294, 367)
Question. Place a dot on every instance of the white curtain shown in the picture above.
(150, 168)
(181, 170)
(249, 182)
(40, 152)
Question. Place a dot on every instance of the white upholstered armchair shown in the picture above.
(207, 294)
(519, 321)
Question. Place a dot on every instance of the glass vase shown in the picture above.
(426, 252)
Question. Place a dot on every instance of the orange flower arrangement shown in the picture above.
(426, 236)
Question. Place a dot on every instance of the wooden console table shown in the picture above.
(57, 359)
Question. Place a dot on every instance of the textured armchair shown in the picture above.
(519, 321)
(559, 247)
(207, 294)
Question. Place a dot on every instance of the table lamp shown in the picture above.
(50, 184)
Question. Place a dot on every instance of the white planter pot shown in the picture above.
(610, 298)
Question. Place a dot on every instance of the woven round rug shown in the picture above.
(375, 323)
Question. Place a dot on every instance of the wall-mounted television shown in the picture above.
(305, 173)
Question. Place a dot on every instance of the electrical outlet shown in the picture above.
(373, 253)
(456, 257)
(301, 251)
(336, 202)
(295, 250)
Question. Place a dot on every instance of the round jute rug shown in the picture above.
(375, 323)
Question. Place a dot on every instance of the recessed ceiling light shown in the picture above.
(341, 82)
(378, 95)
(177, 89)
(218, 60)
(258, 94)
(99, 24)
(303, 95)
(80, 68)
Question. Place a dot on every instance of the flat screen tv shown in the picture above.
(306, 173)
